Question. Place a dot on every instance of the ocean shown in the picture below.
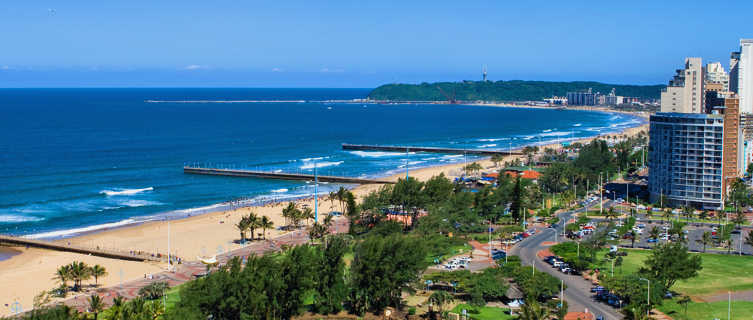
(80, 160)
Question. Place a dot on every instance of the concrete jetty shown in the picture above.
(279, 175)
(17, 241)
(485, 152)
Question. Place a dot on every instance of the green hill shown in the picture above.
(514, 90)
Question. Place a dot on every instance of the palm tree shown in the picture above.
(705, 240)
(95, 305)
(266, 223)
(332, 197)
(98, 271)
(63, 274)
(341, 198)
(533, 311)
(666, 214)
(79, 272)
(633, 237)
(439, 299)
(687, 212)
(117, 308)
(253, 223)
(242, 226)
(307, 214)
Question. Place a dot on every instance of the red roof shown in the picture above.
(530, 174)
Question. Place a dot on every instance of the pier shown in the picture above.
(484, 152)
(17, 241)
(279, 175)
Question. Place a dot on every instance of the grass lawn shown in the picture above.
(483, 313)
(172, 297)
(714, 310)
(720, 272)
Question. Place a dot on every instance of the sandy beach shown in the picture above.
(31, 271)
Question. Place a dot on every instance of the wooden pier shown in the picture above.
(485, 152)
(17, 241)
(279, 175)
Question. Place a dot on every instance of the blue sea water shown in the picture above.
(76, 160)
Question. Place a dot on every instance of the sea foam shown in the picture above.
(321, 164)
(125, 192)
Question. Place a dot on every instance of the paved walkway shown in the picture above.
(187, 271)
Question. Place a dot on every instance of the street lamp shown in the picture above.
(648, 296)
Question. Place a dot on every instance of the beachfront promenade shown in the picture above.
(406, 149)
(189, 270)
(99, 252)
(279, 175)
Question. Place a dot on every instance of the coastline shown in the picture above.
(31, 270)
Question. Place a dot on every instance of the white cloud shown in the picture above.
(325, 69)
(195, 67)
(5, 68)
(277, 70)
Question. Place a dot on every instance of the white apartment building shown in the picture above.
(745, 76)
(715, 74)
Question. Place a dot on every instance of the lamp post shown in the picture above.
(648, 296)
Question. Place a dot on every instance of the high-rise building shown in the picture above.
(744, 85)
(685, 92)
(732, 154)
(746, 127)
(715, 74)
(734, 74)
(685, 159)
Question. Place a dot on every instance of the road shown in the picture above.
(578, 293)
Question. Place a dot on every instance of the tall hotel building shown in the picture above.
(697, 145)
(685, 159)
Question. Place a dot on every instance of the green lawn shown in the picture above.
(720, 272)
(714, 310)
(483, 313)
(172, 297)
(630, 263)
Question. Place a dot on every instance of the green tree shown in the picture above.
(438, 189)
(98, 271)
(382, 267)
(154, 290)
(533, 311)
(440, 299)
(671, 262)
(705, 239)
(242, 227)
(517, 195)
(409, 195)
(330, 285)
(95, 305)
(63, 275)
(266, 223)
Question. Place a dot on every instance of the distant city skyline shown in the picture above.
(344, 44)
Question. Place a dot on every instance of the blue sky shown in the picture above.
(357, 43)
